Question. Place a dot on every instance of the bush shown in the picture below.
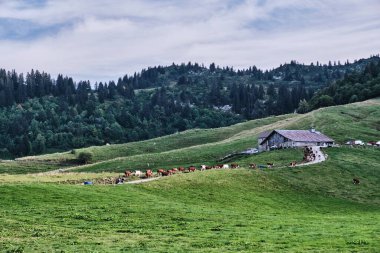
(85, 157)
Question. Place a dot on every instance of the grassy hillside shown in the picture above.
(289, 210)
(304, 209)
(354, 121)
(340, 122)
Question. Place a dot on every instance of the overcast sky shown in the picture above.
(101, 40)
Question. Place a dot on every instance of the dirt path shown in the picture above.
(319, 157)
(140, 181)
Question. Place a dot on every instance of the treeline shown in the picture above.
(41, 114)
(354, 87)
(50, 123)
(15, 89)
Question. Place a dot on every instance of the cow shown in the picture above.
(182, 169)
(192, 169)
(234, 165)
(355, 181)
(165, 173)
(149, 173)
(293, 164)
(159, 172)
(127, 173)
(119, 180)
(203, 167)
(270, 165)
(252, 165)
(226, 166)
(138, 173)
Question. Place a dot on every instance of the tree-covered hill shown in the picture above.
(40, 114)
(354, 87)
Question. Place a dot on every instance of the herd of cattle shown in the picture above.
(167, 172)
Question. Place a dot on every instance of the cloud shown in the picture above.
(101, 40)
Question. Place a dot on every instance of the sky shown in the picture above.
(102, 40)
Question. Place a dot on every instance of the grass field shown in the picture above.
(304, 209)
(353, 121)
(314, 208)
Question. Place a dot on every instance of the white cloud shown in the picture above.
(107, 39)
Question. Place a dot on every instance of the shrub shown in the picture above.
(85, 157)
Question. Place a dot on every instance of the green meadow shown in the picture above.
(312, 208)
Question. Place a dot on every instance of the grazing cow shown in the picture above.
(192, 169)
(182, 169)
(219, 166)
(252, 165)
(165, 173)
(149, 173)
(208, 167)
(355, 181)
(270, 165)
(127, 173)
(119, 180)
(138, 173)
(226, 166)
(203, 167)
(234, 165)
(159, 172)
(293, 164)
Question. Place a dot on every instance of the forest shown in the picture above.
(40, 114)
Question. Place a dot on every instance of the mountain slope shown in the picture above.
(358, 120)
(40, 114)
(302, 209)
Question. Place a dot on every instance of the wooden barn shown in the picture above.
(295, 138)
(262, 137)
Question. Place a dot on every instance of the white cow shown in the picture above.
(203, 167)
(226, 166)
(138, 173)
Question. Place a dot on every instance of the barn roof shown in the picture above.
(301, 136)
(264, 134)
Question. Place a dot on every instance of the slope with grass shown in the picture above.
(340, 122)
(314, 208)
(304, 209)
(353, 121)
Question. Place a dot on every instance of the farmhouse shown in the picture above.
(294, 138)
(262, 137)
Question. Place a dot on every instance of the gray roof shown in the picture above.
(302, 135)
(264, 134)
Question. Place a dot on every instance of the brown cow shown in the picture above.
(192, 169)
(165, 173)
(234, 165)
(181, 169)
(149, 173)
(160, 171)
(355, 181)
(127, 173)
(252, 165)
